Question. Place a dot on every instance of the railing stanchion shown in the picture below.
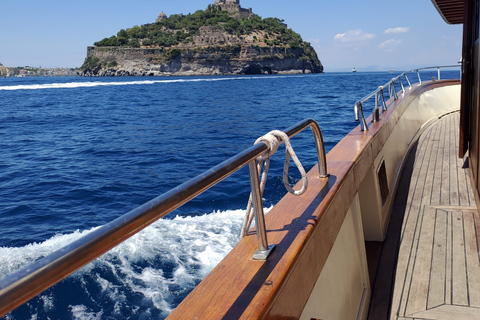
(359, 116)
(384, 105)
(401, 83)
(322, 158)
(409, 84)
(419, 79)
(263, 248)
(392, 91)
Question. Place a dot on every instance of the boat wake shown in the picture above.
(149, 274)
(90, 84)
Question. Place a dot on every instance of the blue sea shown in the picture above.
(77, 153)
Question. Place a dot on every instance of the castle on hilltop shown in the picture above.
(233, 6)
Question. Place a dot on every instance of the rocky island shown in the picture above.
(224, 39)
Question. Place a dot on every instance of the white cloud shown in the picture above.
(397, 30)
(390, 44)
(353, 36)
(314, 42)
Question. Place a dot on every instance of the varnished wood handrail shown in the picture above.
(30, 281)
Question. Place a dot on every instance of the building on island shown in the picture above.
(162, 16)
(233, 6)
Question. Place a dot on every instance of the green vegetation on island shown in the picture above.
(179, 29)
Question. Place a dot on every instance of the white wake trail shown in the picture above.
(90, 84)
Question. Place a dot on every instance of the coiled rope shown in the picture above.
(273, 139)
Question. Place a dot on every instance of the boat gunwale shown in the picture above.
(270, 285)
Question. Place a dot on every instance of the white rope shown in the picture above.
(273, 140)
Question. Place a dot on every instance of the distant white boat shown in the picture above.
(354, 69)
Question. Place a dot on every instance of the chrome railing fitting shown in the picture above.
(401, 83)
(359, 116)
(264, 249)
(409, 84)
(392, 90)
(393, 93)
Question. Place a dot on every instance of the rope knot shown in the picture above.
(271, 140)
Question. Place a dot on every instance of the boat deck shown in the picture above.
(437, 274)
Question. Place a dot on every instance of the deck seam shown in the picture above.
(466, 260)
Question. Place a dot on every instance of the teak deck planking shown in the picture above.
(438, 268)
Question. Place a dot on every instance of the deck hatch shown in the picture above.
(382, 181)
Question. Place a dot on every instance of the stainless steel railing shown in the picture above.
(30, 281)
(392, 92)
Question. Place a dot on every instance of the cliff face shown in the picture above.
(218, 60)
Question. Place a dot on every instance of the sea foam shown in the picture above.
(160, 263)
(90, 84)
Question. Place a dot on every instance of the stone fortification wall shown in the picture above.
(120, 54)
(215, 36)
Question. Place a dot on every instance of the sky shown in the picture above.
(369, 35)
